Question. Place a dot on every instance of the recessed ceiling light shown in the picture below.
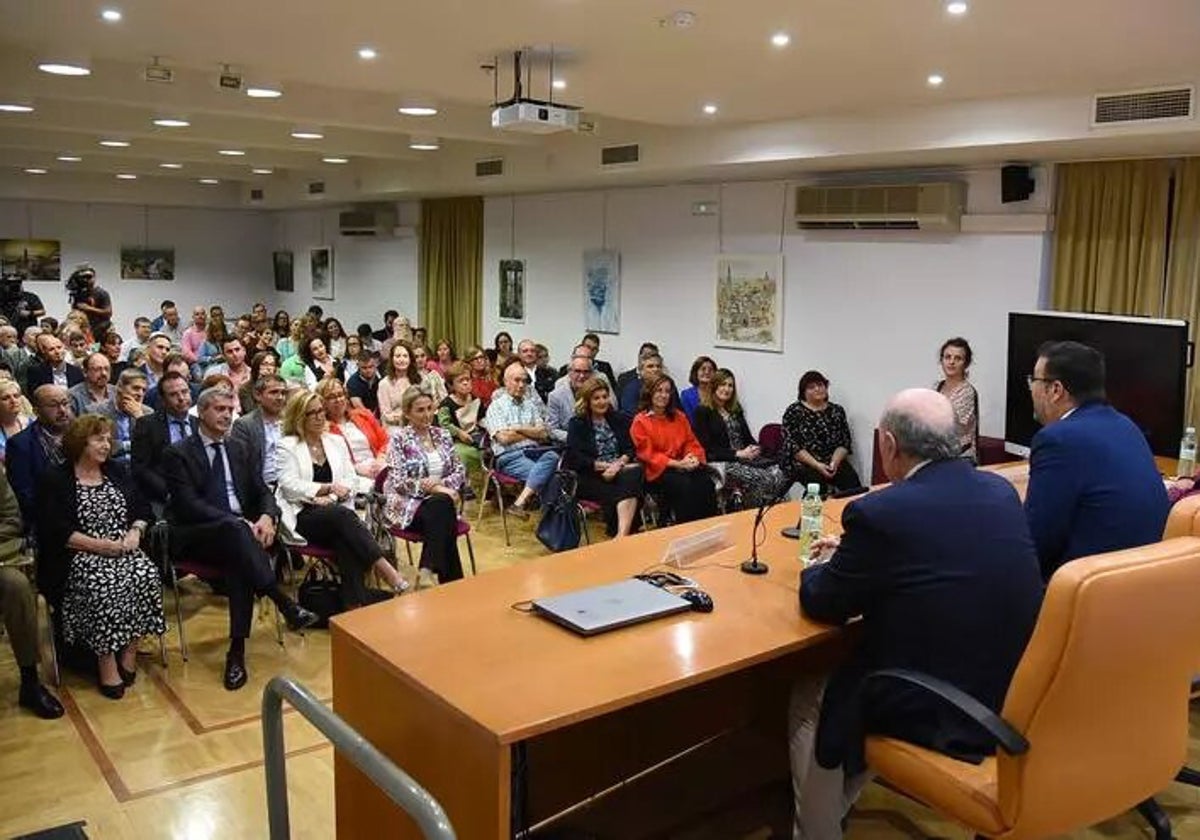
(15, 108)
(781, 39)
(230, 152)
(111, 15)
(115, 144)
(424, 144)
(262, 92)
(209, 181)
(62, 68)
(171, 122)
(170, 166)
(710, 109)
(335, 160)
(69, 158)
(957, 7)
(126, 176)
(308, 135)
(560, 84)
(35, 170)
(418, 111)
(262, 171)
(366, 53)
(935, 80)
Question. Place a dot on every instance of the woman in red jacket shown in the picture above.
(674, 461)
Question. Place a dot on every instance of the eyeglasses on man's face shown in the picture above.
(1030, 379)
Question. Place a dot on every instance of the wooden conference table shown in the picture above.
(509, 719)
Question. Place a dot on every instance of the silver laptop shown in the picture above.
(601, 608)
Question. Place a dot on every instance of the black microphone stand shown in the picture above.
(754, 566)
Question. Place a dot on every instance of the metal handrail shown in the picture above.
(417, 802)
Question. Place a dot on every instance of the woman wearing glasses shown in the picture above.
(317, 484)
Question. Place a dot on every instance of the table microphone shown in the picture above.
(754, 566)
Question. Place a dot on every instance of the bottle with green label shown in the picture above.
(811, 520)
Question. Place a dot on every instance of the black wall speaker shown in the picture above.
(1016, 183)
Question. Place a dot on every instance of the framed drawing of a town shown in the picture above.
(750, 302)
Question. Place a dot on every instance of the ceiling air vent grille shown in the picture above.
(316, 188)
(615, 155)
(926, 207)
(1136, 106)
(489, 168)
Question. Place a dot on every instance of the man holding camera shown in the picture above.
(91, 300)
(21, 308)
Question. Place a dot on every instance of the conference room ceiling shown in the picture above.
(642, 72)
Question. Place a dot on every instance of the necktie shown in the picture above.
(178, 430)
(220, 482)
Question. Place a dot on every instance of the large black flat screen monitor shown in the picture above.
(1146, 360)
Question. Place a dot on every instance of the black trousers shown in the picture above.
(339, 528)
(689, 494)
(844, 479)
(436, 521)
(248, 568)
(627, 484)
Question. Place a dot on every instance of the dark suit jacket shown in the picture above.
(248, 430)
(25, 462)
(1093, 487)
(58, 517)
(714, 436)
(39, 373)
(187, 470)
(150, 440)
(581, 451)
(943, 571)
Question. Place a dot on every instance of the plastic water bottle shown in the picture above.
(811, 520)
(1187, 453)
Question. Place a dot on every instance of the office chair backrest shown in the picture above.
(1101, 692)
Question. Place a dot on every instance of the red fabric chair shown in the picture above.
(494, 478)
(770, 440)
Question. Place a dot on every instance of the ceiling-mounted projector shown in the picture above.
(533, 117)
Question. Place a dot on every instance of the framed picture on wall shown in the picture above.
(31, 259)
(321, 263)
(749, 302)
(285, 278)
(602, 291)
(138, 263)
(512, 291)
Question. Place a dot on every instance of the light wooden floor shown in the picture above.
(180, 757)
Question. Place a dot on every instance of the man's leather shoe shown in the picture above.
(235, 671)
(298, 618)
(38, 699)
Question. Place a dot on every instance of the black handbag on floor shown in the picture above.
(321, 592)
(559, 528)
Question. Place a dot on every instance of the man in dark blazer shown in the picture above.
(221, 509)
(155, 432)
(38, 447)
(592, 342)
(261, 429)
(1093, 483)
(942, 569)
(51, 368)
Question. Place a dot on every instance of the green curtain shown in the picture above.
(1110, 237)
(451, 269)
(1183, 267)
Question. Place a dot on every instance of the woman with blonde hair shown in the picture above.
(365, 438)
(15, 412)
(317, 485)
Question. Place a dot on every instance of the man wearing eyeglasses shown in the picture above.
(1093, 483)
(38, 447)
(560, 408)
(515, 423)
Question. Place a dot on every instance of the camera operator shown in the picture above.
(21, 308)
(91, 300)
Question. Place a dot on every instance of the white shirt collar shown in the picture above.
(1068, 413)
(916, 468)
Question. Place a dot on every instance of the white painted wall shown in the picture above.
(220, 255)
(869, 310)
(370, 275)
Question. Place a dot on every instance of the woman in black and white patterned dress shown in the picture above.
(90, 525)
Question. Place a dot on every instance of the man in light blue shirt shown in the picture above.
(515, 423)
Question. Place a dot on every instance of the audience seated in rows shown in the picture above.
(601, 452)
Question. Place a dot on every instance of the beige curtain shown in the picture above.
(451, 269)
(1183, 266)
(1110, 237)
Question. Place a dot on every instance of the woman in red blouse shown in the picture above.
(674, 461)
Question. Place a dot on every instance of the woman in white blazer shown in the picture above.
(317, 484)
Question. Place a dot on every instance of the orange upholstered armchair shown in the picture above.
(1096, 719)
(1184, 519)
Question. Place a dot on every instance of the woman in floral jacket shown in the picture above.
(424, 477)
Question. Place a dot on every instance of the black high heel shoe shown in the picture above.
(128, 678)
(112, 692)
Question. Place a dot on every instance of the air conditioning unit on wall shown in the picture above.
(927, 207)
(368, 222)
